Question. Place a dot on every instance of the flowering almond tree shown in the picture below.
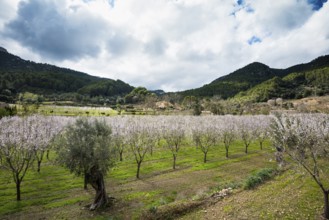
(227, 132)
(302, 138)
(204, 135)
(245, 126)
(141, 137)
(119, 133)
(261, 128)
(16, 147)
(46, 130)
(174, 135)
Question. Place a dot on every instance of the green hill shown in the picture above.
(261, 76)
(294, 85)
(254, 82)
(18, 76)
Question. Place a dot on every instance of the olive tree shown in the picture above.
(85, 150)
(301, 138)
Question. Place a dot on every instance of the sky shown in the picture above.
(172, 45)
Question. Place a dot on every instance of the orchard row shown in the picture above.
(24, 140)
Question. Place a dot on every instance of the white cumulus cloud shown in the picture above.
(164, 44)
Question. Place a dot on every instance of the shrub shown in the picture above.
(259, 177)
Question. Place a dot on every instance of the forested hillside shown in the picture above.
(18, 75)
(264, 78)
(293, 86)
(254, 82)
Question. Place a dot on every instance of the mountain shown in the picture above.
(252, 75)
(18, 76)
(240, 80)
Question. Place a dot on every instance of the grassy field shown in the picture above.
(57, 194)
(65, 110)
(291, 195)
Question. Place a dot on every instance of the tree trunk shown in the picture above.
(205, 157)
(47, 154)
(174, 162)
(85, 187)
(226, 148)
(246, 150)
(18, 189)
(96, 180)
(39, 165)
(121, 152)
(326, 205)
(138, 169)
(261, 145)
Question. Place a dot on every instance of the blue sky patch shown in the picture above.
(250, 9)
(254, 40)
(316, 4)
(240, 2)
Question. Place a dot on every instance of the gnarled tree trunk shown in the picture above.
(96, 180)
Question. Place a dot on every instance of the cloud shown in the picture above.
(165, 44)
(156, 47)
(57, 33)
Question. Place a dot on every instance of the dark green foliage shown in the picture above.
(197, 108)
(106, 88)
(294, 85)
(7, 111)
(18, 76)
(137, 95)
(259, 177)
(84, 145)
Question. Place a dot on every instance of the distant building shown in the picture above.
(164, 105)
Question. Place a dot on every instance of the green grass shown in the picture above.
(188, 157)
(66, 202)
(44, 189)
(67, 110)
(58, 194)
(289, 195)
